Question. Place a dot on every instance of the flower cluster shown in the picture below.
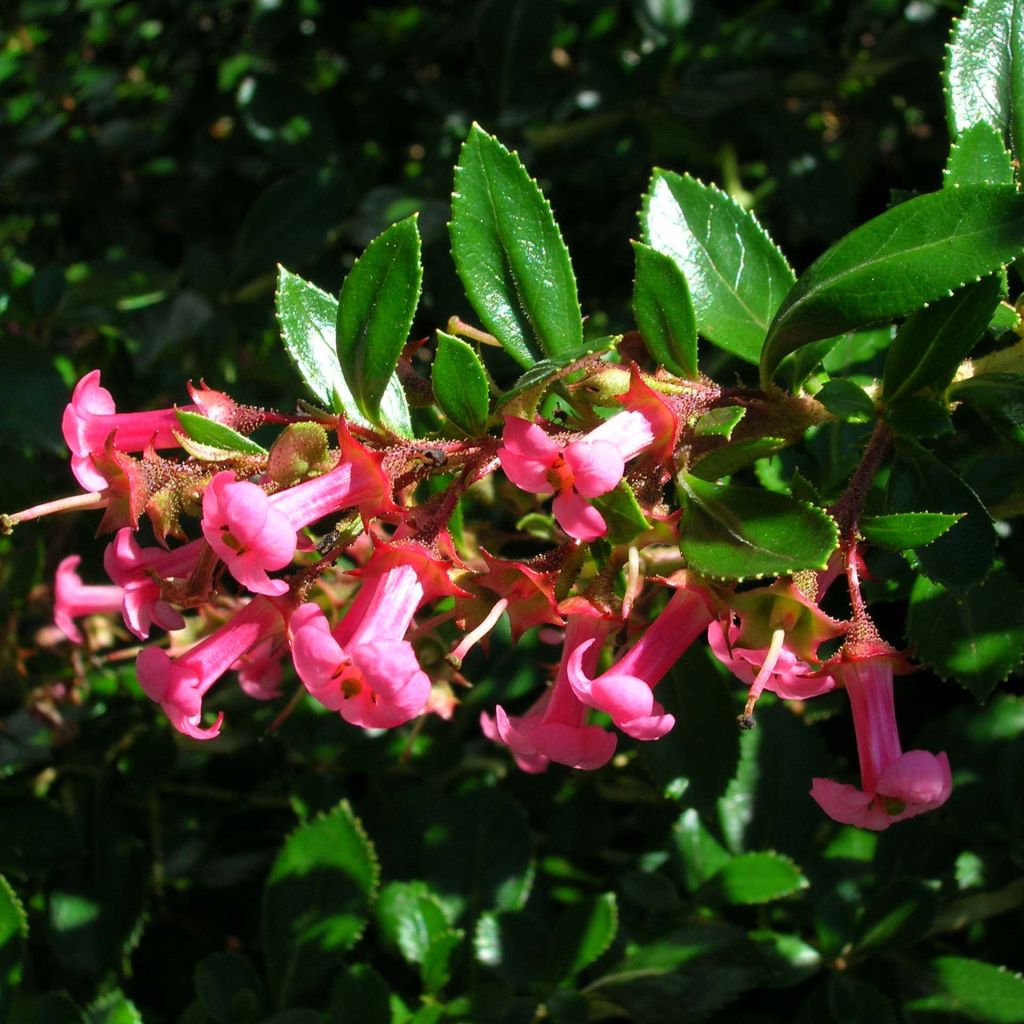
(325, 553)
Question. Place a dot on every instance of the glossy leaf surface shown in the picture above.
(664, 311)
(375, 311)
(910, 255)
(906, 530)
(736, 275)
(308, 319)
(216, 435)
(460, 384)
(758, 878)
(510, 254)
(978, 157)
(740, 533)
(984, 74)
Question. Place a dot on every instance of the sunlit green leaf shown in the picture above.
(664, 312)
(905, 530)
(460, 384)
(979, 156)
(212, 434)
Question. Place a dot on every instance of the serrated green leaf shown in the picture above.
(510, 255)
(622, 515)
(216, 435)
(513, 944)
(932, 342)
(979, 157)
(846, 400)
(912, 254)
(409, 917)
(905, 530)
(758, 878)
(984, 72)
(316, 900)
(376, 307)
(308, 319)
(582, 932)
(13, 933)
(999, 399)
(975, 990)
(918, 416)
(436, 969)
(963, 555)
(736, 275)
(113, 1008)
(976, 639)
(741, 533)
(664, 311)
(736, 455)
(524, 396)
(901, 912)
(460, 384)
(229, 988)
(719, 422)
(699, 853)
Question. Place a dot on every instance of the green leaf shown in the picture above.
(737, 277)
(962, 556)
(229, 988)
(932, 342)
(524, 396)
(581, 934)
(13, 934)
(720, 422)
(910, 255)
(974, 989)
(316, 900)
(212, 434)
(460, 384)
(699, 853)
(979, 157)
(375, 311)
(919, 416)
(436, 970)
(738, 533)
(513, 944)
(977, 639)
(905, 530)
(846, 400)
(900, 913)
(113, 1008)
(510, 255)
(622, 514)
(664, 311)
(308, 319)
(984, 73)
(410, 917)
(998, 398)
(737, 455)
(758, 878)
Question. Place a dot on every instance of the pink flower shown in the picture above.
(554, 728)
(626, 690)
(364, 668)
(259, 671)
(178, 685)
(91, 417)
(139, 571)
(254, 533)
(73, 599)
(894, 785)
(586, 468)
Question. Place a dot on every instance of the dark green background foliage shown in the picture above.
(160, 159)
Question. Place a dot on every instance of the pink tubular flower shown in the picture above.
(364, 668)
(73, 599)
(554, 728)
(585, 468)
(626, 690)
(254, 533)
(139, 571)
(90, 418)
(178, 685)
(894, 785)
